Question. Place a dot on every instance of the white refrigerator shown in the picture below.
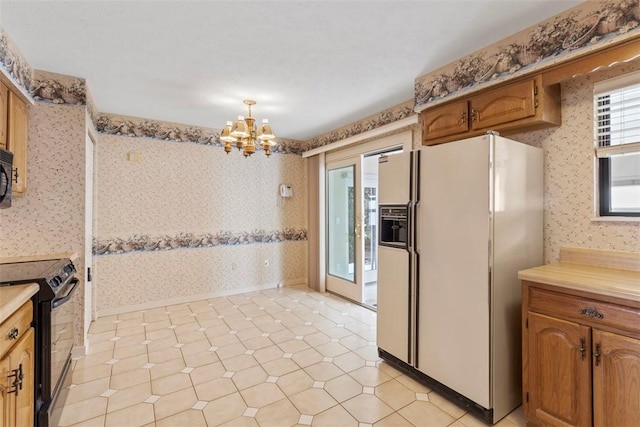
(474, 220)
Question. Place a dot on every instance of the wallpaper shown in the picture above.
(395, 113)
(50, 218)
(589, 26)
(145, 128)
(569, 167)
(173, 218)
(14, 63)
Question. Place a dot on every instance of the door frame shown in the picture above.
(345, 156)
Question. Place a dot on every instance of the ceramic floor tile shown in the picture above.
(171, 383)
(349, 361)
(128, 379)
(312, 401)
(173, 403)
(396, 420)
(323, 371)
(136, 415)
(446, 405)
(335, 417)
(426, 413)
(80, 376)
(215, 389)
(224, 409)
(261, 395)
(249, 377)
(367, 408)
(129, 397)
(273, 358)
(278, 414)
(395, 394)
(84, 410)
(88, 390)
(207, 372)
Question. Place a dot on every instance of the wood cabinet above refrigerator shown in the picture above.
(508, 109)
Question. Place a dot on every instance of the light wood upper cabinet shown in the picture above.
(18, 125)
(450, 119)
(503, 105)
(510, 108)
(17, 369)
(4, 105)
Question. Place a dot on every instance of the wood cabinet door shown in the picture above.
(503, 105)
(5, 386)
(559, 370)
(4, 103)
(616, 380)
(450, 119)
(17, 141)
(23, 360)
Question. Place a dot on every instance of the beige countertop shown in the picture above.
(12, 298)
(25, 258)
(610, 273)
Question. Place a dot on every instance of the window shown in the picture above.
(617, 134)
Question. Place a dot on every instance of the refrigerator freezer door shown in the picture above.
(393, 302)
(454, 241)
(394, 178)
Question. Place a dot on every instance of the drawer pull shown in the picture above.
(592, 312)
(13, 334)
(597, 355)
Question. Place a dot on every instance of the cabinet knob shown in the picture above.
(463, 118)
(13, 334)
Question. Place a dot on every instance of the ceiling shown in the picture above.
(312, 66)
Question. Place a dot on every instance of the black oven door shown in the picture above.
(62, 335)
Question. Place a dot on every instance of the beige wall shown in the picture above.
(569, 188)
(180, 188)
(50, 218)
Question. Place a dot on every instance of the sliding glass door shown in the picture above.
(344, 229)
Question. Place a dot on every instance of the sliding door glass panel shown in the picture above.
(341, 219)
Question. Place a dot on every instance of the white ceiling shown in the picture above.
(313, 66)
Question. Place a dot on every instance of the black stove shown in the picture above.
(53, 330)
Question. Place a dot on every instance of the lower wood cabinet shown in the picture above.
(581, 358)
(17, 370)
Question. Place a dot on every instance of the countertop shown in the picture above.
(611, 273)
(71, 255)
(12, 298)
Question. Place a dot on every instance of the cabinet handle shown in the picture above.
(592, 312)
(18, 376)
(13, 334)
(597, 355)
(15, 175)
(474, 114)
(463, 118)
(582, 350)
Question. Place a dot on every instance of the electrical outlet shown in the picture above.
(266, 263)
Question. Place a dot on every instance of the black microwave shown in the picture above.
(6, 176)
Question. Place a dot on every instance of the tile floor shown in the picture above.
(281, 357)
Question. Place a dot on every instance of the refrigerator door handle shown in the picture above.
(409, 227)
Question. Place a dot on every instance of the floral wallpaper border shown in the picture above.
(144, 128)
(14, 62)
(586, 27)
(144, 243)
(390, 115)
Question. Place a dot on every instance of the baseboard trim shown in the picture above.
(190, 298)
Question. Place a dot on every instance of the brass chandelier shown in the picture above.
(245, 135)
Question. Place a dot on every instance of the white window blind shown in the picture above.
(617, 110)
